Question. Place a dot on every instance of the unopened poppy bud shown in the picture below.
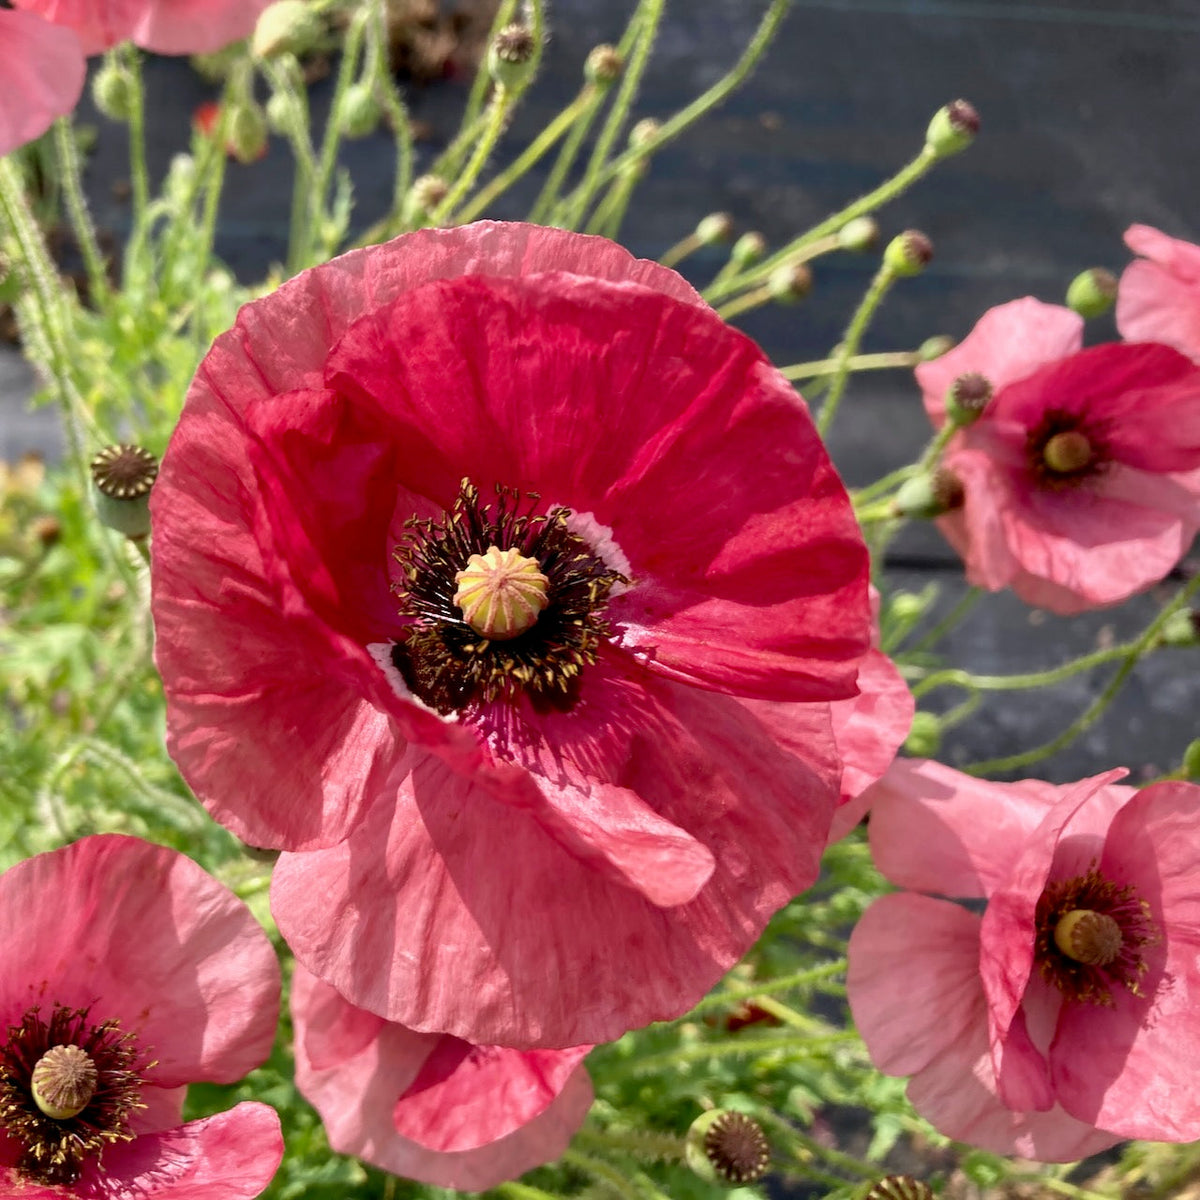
(247, 133)
(952, 129)
(790, 282)
(112, 91)
(425, 194)
(358, 111)
(286, 27)
(924, 736)
(748, 249)
(935, 347)
(860, 234)
(907, 606)
(1181, 629)
(279, 112)
(899, 1187)
(1092, 292)
(123, 476)
(643, 131)
(510, 56)
(716, 227)
(727, 1147)
(926, 496)
(908, 253)
(1191, 760)
(967, 397)
(604, 66)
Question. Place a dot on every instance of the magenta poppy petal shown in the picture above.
(913, 980)
(43, 71)
(142, 934)
(332, 1029)
(1159, 295)
(162, 1108)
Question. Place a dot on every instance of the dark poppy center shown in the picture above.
(1091, 934)
(67, 1089)
(502, 600)
(1062, 452)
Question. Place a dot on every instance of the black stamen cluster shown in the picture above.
(445, 662)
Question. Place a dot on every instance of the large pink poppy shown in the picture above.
(428, 1106)
(541, 839)
(129, 973)
(1060, 1021)
(1080, 479)
(1159, 295)
(43, 68)
(164, 26)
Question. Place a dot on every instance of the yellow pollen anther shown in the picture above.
(1067, 452)
(63, 1082)
(1088, 937)
(501, 593)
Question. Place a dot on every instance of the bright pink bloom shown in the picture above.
(163, 977)
(163, 26)
(1079, 480)
(428, 1106)
(1029, 1031)
(583, 852)
(43, 68)
(1159, 296)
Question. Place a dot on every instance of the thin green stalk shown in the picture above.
(647, 1144)
(394, 106)
(745, 302)
(77, 206)
(677, 253)
(1097, 708)
(785, 1131)
(964, 604)
(603, 1171)
(868, 306)
(890, 360)
(298, 134)
(523, 1191)
(497, 117)
(568, 152)
(610, 212)
(139, 177)
(653, 1064)
(766, 987)
(888, 483)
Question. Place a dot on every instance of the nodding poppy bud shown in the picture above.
(727, 1147)
(358, 111)
(967, 397)
(604, 66)
(908, 253)
(1181, 629)
(510, 56)
(1092, 292)
(123, 475)
(286, 27)
(716, 227)
(112, 91)
(247, 133)
(952, 129)
(748, 249)
(925, 496)
(425, 194)
(860, 234)
(925, 735)
(790, 282)
(935, 347)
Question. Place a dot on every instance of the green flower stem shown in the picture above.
(647, 18)
(962, 607)
(393, 105)
(496, 119)
(784, 983)
(883, 194)
(790, 1046)
(880, 286)
(690, 113)
(543, 206)
(1092, 714)
(786, 1132)
(788, 1016)
(647, 1144)
(678, 252)
(938, 443)
(858, 362)
(138, 176)
(602, 1171)
(888, 483)
(529, 157)
(523, 1191)
(610, 212)
(880, 510)
(745, 302)
(297, 132)
(480, 86)
(77, 206)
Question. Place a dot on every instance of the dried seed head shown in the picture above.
(123, 476)
(724, 1146)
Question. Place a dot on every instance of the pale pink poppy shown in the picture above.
(574, 826)
(43, 68)
(1081, 479)
(429, 1106)
(1159, 295)
(163, 26)
(129, 973)
(1060, 1021)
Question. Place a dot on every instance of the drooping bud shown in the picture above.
(924, 736)
(501, 593)
(425, 194)
(359, 110)
(1181, 629)
(899, 1187)
(1191, 759)
(926, 496)
(604, 66)
(1092, 292)
(247, 133)
(716, 227)
(510, 56)
(728, 1147)
(952, 129)
(279, 112)
(908, 253)
(1089, 937)
(860, 234)
(63, 1082)
(967, 397)
(112, 90)
(644, 131)
(748, 249)
(790, 282)
(1067, 452)
(286, 27)
(123, 475)
(934, 347)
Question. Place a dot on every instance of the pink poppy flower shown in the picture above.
(563, 721)
(1079, 480)
(1159, 296)
(43, 69)
(129, 973)
(429, 1106)
(163, 26)
(1060, 1021)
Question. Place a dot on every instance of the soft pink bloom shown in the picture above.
(1080, 480)
(429, 1106)
(548, 863)
(1013, 1043)
(163, 26)
(133, 952)
(1159, 296)
(43, 68)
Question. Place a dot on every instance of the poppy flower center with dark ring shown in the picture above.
(502, 601)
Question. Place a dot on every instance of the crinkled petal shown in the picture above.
(1159, 295)
(43, 69)
(143, 935)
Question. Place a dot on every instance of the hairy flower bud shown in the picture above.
(1092, 292)
(247, 132)
(860, 234)
(748, 249)
(1191, 759)
(952, 129)
(112, 91)
(790, 282)
(727, 1147)
(425, 194)
(908, 253)
(603, 66)
(716, 227)
(286, 27)
(358, 111)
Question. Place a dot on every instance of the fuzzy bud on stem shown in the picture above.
(112, 91)
(934, 347)
(927, 496)
(908, 253)
(748, 249)
(603, 66)
(952, 129)
(967, 397)
(286, 27)
(716, 227)
(860, 234)
(790, 282)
